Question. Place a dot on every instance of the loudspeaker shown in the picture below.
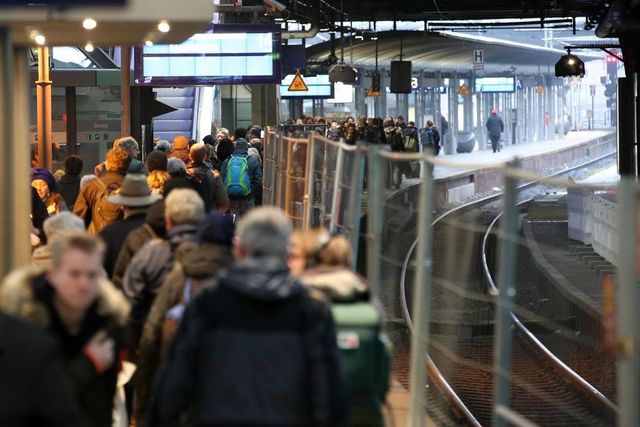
(400, 77)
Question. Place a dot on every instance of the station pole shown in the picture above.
(125, 91)
(43, 99)
(14, 156)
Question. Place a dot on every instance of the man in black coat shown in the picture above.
(254, 349)
(69, 184)
(34, 391)
(134, 197)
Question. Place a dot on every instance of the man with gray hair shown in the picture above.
(55, 226)
(130, 145)
(184, 210)
(254, 348)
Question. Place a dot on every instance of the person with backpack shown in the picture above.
(495, 127)
(254, 349)
(393, 135)
(92, 204)
(213, 189)
(184, 209)
(197, 265)
(242, 177)
(323, 263)
(427, 138)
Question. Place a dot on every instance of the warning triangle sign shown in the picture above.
(298, 84)
(373, 92)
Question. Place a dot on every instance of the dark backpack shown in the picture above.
(427, 137)
(237, 180)
(197, 174)
(394, 138)
(410, 139)
(365, 354)
(105, 211)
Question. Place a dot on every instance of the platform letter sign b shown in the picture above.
(478, 59)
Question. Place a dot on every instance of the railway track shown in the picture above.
(544, 389)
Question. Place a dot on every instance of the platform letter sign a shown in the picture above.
(478, 59)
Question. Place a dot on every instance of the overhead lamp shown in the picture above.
(569, 66)
(89, 24)
(148, 43)
(342, 73)
(40, 39)
(89, 47)
(163, 26)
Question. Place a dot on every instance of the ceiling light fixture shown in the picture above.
(163, 26)
(89, 47)
(569, 66)
(148, 43)
(40, 39)
(89, 24)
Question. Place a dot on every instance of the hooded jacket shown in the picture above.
(146, 273)
(255, 171)
(257, 336)
(337, 284)
(192, 260)
(87, 205)
(68, 188)
(27, 294)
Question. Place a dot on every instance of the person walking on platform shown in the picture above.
(213, 189)
(495, 127)
(242, 176)
(134, 198)
(184, 209)
(254, 349)
(84, 313)
(69, 184)
(132, 148)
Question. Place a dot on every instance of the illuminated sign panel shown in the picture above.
(319, 87)
(232, 54)
(495, 84)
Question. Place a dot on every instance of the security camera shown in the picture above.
(274, 6)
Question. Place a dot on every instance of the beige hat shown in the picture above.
(134, 192)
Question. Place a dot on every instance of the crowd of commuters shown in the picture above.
(169, 268)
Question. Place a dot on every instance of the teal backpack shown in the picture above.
(237, 180)
(365, 355)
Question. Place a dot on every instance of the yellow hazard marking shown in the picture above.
(298, 84)
(464, 90)
(372, 92)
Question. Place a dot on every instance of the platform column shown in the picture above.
(450, 140)
(43, 101)
(265, 105)
(15, 195)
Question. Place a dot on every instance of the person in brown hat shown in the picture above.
(134, 198)
(180, 149)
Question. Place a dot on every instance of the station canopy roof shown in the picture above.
(445, 51)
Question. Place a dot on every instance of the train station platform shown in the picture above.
(464, 175)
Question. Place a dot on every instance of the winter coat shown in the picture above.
(87, 204)
(27, 294)
(153, 227)
(180, 153)
(180, 179)
(394, 137)
(68, 188)
(255, 171)
(213, 190)
(115, 234)
(147, 272)
(135, 166)
(192, 260)
(35, 389)
(258, 337)
(337, 284)
(495, 126)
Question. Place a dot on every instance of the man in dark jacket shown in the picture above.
(215, 195)
(131, 147)
(152, 228)
(495, 127)
(255, 349)
(35, 389)
(184, 210)
(69, 184)
(134, 197)
(85, 314)
(241, 201)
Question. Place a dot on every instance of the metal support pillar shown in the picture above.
(72, 120)
(43, 100)
(626, 138)
(375, 183)
(125, 91)
(506, 283)
(450, 141)
(628, 319)
(422, 302)
(15, 193)
(468, 109)
(481, 133)
(265, 105)
(402, 105)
